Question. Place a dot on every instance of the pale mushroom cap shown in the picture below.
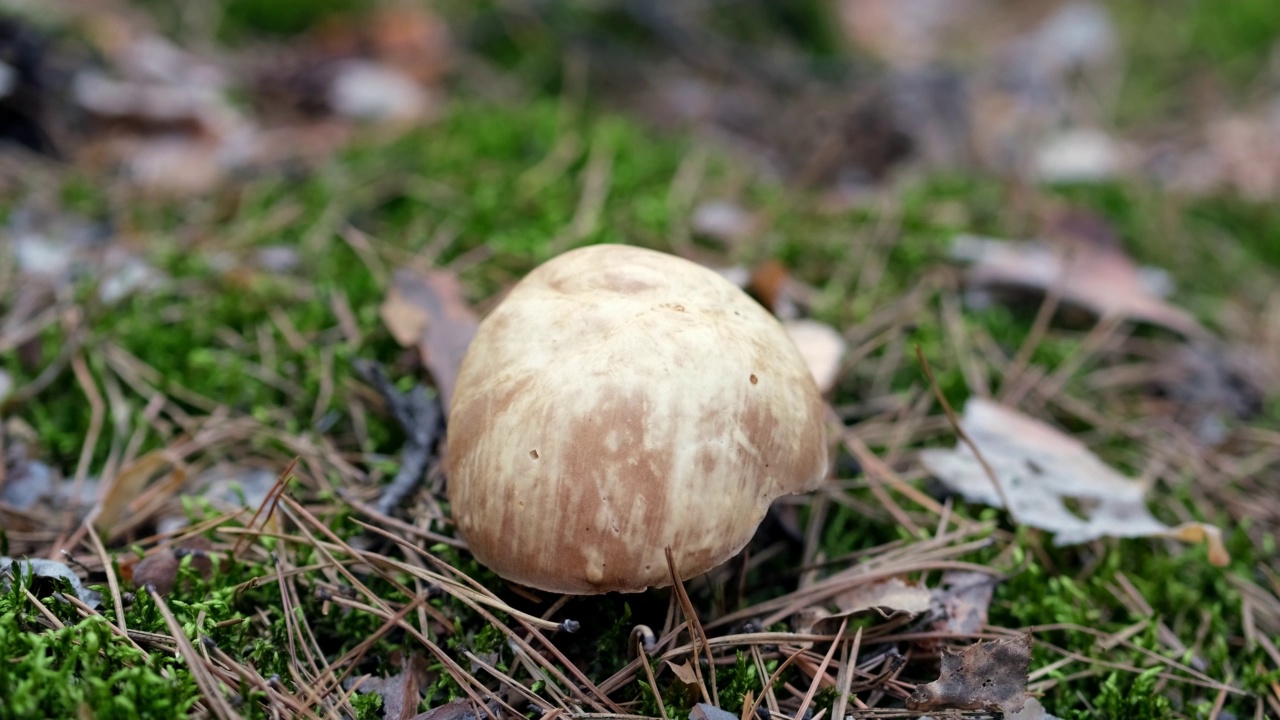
(619, 401)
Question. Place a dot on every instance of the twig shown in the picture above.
(208, 685)
(420, 416)
(699, 636)
(822, 669)
(960, 432)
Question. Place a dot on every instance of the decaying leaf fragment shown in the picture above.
(427, 309)
(703, 711)
(964, 597)
(984, 676)
(822, 347)
(890, 598)
(45, 575)
(684, 671)
(1095, 276)
(1039, 468)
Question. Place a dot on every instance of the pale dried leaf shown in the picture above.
(44, 574)
(703, 711)
(1032, 710)
(684, 671)
(432, 303)
(964, 598)
(405, 320)
(892, 597)
(1093, 276)
(128, 485)
(1079, 155)
(723, 220)
(822, 347)
(984, 676)
(460, 709)
(1039, 468)
(367, 90)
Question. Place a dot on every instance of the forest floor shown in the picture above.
(244, 241)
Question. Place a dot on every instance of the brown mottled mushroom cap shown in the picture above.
(619, 401)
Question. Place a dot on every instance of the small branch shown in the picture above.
(419, 415)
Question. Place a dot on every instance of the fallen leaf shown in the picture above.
(45, 575)
(368, 90)
(964, 597)
(703, 711)
(774, 286)
(1033, 710)
(1078, 156)
(405, 319)
(50, 243)
(890, 598)
(460, 709)
(408, 37)
(724, 221)
(127, 486)
(984, 676)
(1039, 469)
(822, 348)
(1090, 275)
(427, 309)
(26, 481)
(684, 671)
(904, 33)
(400, 694)
(160, 569)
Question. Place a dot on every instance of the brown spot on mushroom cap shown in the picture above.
(646, 436)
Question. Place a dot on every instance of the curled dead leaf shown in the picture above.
(964, 597)
(984, 676)
(1039, 469)
(684, 671)
(822, 347)
(1097, 277)
(890, 598)
(427, 309)
(127, 487)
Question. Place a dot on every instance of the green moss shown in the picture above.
(472, 177)
(1183, 589)
(1169, 47)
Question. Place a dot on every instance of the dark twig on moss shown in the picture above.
(419, 415)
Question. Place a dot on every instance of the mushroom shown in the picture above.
(617, 402)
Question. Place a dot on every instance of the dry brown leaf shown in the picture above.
(128, 486)
(778, 290)
(822, 347)
(401, 695)
(427, 309)
(890, 598)
(160, 569)
(1039, 468)
(965, 597)
(684, 671)
(460, 709)
(405, 320)
(1091, 275)
(984, 676)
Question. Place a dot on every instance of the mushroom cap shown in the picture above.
(619, 401)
